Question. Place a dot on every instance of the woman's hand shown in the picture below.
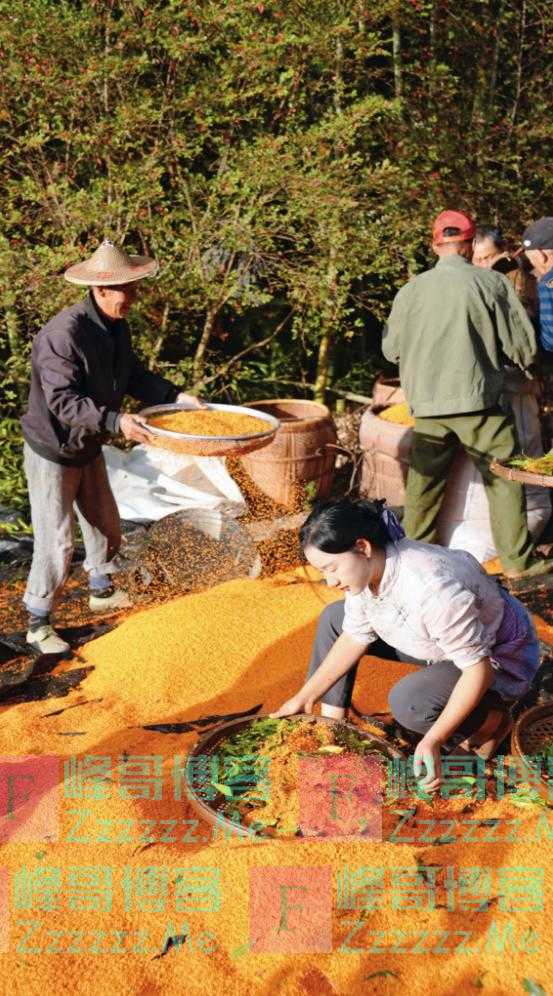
(427, 752)
(190, 399)
(298, 703)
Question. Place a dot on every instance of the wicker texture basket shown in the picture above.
(180, 442)
(302, 453)
(386, 456)
(533, 731)
(522, 476)
(208, 745)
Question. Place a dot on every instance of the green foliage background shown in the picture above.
(282, 160)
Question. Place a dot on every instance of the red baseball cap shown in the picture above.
(453, 219)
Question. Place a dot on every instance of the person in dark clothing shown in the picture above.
(537, 247)
(82, 366)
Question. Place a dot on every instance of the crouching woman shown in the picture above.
(425, 604)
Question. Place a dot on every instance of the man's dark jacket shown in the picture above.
(82, 365)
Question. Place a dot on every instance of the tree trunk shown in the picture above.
(397, 57)
(518, 86)
(520, 60)
(154, 355)
(15, 347)
(338, 77)
(324, 365)
(495, 64)
(201, 349)
(105, 98)
(433, 31)
(324, 356)
(476, 129)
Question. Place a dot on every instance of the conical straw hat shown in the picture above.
(110, 265)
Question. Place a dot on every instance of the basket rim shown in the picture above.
(321, 414)
(524, 476)
(527, 719)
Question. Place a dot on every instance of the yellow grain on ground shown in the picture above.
(229, 649)
(398, 414)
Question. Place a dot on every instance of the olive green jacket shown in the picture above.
(451, 330)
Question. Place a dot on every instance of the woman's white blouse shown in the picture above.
(432, 603)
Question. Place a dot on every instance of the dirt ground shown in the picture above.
(114, 882)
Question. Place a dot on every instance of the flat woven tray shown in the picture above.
(180, 442)
(523, 476)
(208, 744)
(533, 731)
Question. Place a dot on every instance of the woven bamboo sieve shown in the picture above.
(302, 453)
(208, 745)
(533, 731)
(523, 476)
(179, 442)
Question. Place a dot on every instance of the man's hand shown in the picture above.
(190, 399)
(298, 703)
(134, 427)
(427, 751)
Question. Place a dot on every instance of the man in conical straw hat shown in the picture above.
(83, 365)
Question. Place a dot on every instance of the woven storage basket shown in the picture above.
(301, 455)
(180, 442)
(533, 731)
(207, 747)
(386, 453)
(523, 476)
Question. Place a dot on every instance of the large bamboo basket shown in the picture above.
(301, 456)
(386, 455)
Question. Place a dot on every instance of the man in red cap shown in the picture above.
(465, 230)
(450, 329)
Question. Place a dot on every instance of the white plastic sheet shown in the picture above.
(464, 520)
(149, 483)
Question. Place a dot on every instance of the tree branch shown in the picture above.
(244, 352)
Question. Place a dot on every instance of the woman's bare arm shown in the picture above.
(343, 655)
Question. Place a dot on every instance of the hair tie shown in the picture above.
(390, 522)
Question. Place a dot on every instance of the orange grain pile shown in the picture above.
(229, 649)
(210, 423)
